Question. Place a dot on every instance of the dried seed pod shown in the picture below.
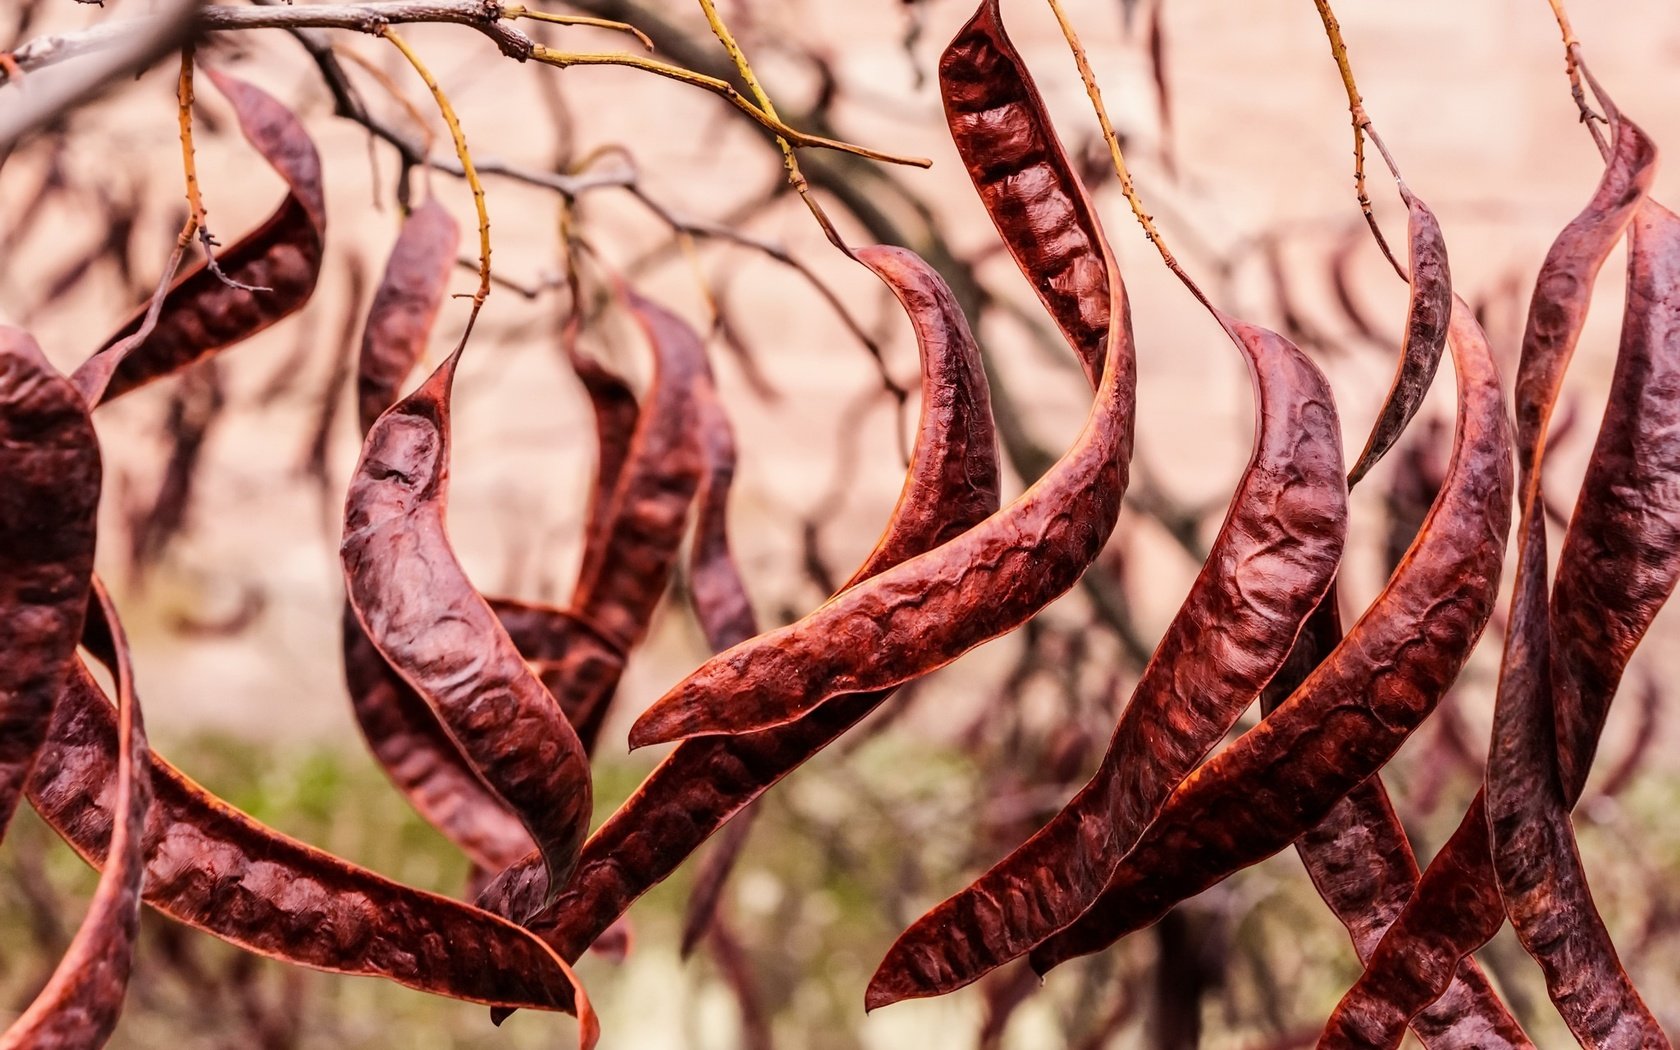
(925, 612)
(640, 533)
(420, 610)
(215, 869)
(725, 612)
(1457, 906)
(1285, 527)
(1358, 857)
(81, 1001)
(1362, 865)
(1003, 134)
(616, 413)
(405, 306)
(1569, 655)
(202, 313)
(1351, 714)
(1428, 309)
(704, 782)
(423, 761)
(49, 500)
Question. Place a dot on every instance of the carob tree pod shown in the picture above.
(1285, 528)
(1457, 906)
(419, 609)
(49, 500)
(202, 313)
(1351, 714)
(705, 782)
(82, 999)
(923, 613)
(214, 868)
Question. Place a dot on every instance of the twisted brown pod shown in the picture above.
(80, 1004)
(405, 306)
(1284, 529)
(923, 613)
(1003, 133)
(214, 868)
(201, 312)
(706, 781)
(1350, 715)
(49, 499)
(422, 613)
(1428, 309)
(1457, 906)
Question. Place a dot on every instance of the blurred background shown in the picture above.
(224, 487)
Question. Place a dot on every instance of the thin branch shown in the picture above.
(1361, 128)
(461, 151)
(1144, 219)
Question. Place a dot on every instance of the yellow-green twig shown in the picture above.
(1124, 174)
(1361, 128)
(723, 89)
(461, 151)
(516, 11)
(789, 161)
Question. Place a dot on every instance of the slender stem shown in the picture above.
(1572, 66)
(471, 173)
(1361, 128)
(1144, 219)
(724, 90)
(516, 11)
(790, 162)
(189, 164)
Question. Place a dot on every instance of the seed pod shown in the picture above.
(1284, 528)
(923, 613)
(1352, 713)
(1457, 906)
(49, 499)
(1427, 311)
(405, 306)
(81, 1001)
(1003, 134)
(202, 313)
(643, 528)
(422, 613)
(616, 413)
(215, 869)
(706, 781)
(1569, 654)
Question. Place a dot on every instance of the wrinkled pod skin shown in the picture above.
(1457, 906)
(1351, 714)
(79, 1006)
(920, 615)
(1285, 526)
(1359, 857)
(706, 781)
(50, 478)
(417, 606)
(203, 314)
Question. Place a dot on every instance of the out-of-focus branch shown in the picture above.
(116, 50)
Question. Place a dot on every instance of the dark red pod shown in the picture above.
(202, 313)
(1003, 133)
(1285, 528)
(79, 1006)
(49, 500)
(405, 306)
(707, 781)
(419, 609)
(1457, 906)
(214, 868)
(925, 612)
(1350, 715)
